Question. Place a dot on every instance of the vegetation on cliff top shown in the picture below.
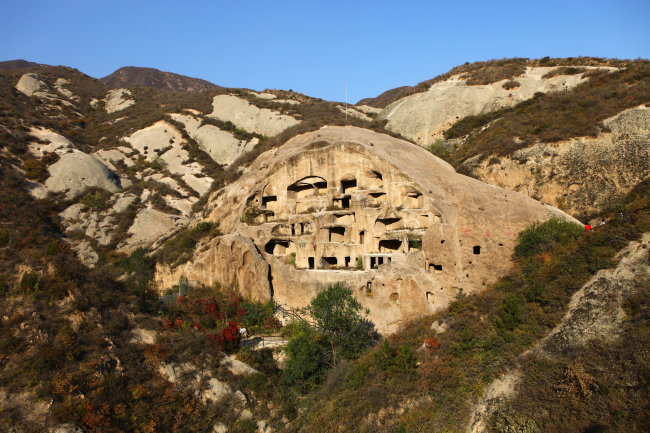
(553, 117)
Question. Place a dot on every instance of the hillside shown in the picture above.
(132, 76)
(536, 126)
(487, 72)
(467, 304)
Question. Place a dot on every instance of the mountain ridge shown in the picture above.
(135, 76)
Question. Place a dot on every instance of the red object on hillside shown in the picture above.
(587, 228)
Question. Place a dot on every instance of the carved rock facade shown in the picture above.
(384, 216)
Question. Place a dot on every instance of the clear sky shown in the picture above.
(314, 47)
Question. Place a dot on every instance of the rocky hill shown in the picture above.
(132, 76)
(535, 126)
(117, 197)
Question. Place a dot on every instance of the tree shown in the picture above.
(305, 362)
(337, 314)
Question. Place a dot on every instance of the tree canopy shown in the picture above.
(338, 315)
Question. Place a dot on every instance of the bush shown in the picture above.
(511, 84)
(305, 363)
(140, 269)
(543, 237)
(508, 317)
(96, 200)
(35, 169)
(396, 362)
(440, 149)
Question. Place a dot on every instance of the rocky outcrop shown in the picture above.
(580, 175)
(49, 142)
(151, 227)
(33, 85)
(152, 141)
(222, 146)
(263, 121)
(118, 100)
(423, 117)
(163, 143)
(596, 310)
(382, 215)
(76, 171)
(229, 260)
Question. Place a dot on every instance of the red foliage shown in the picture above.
(95, 419)
(431, 343)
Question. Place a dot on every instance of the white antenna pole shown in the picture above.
(346, 101)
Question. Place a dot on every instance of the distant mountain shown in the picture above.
(17, 64)
(132, 76)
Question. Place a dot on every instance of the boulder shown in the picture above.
(237, 367)
(33, 85)
(66, 428)
(76, 171)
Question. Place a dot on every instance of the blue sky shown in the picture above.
(314, 47)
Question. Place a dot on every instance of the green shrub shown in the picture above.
(257, 314)
(178, 249)
(543, 237)
(396, 362)
(140, 269)
(440, 149)
(96, 200)
(509, 315)
(30, 282)
(305, 363)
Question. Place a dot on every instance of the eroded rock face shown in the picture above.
(33, 85)
(76, 171)
(244, 115)
(56, 143)
(222, 146)
(228, 260)
(163, 142)
(423, 117)
(580, 175)
(118, 100)
(382, 215)
(150, 227)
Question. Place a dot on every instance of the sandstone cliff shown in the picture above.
(386, 217)
(581, 175)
